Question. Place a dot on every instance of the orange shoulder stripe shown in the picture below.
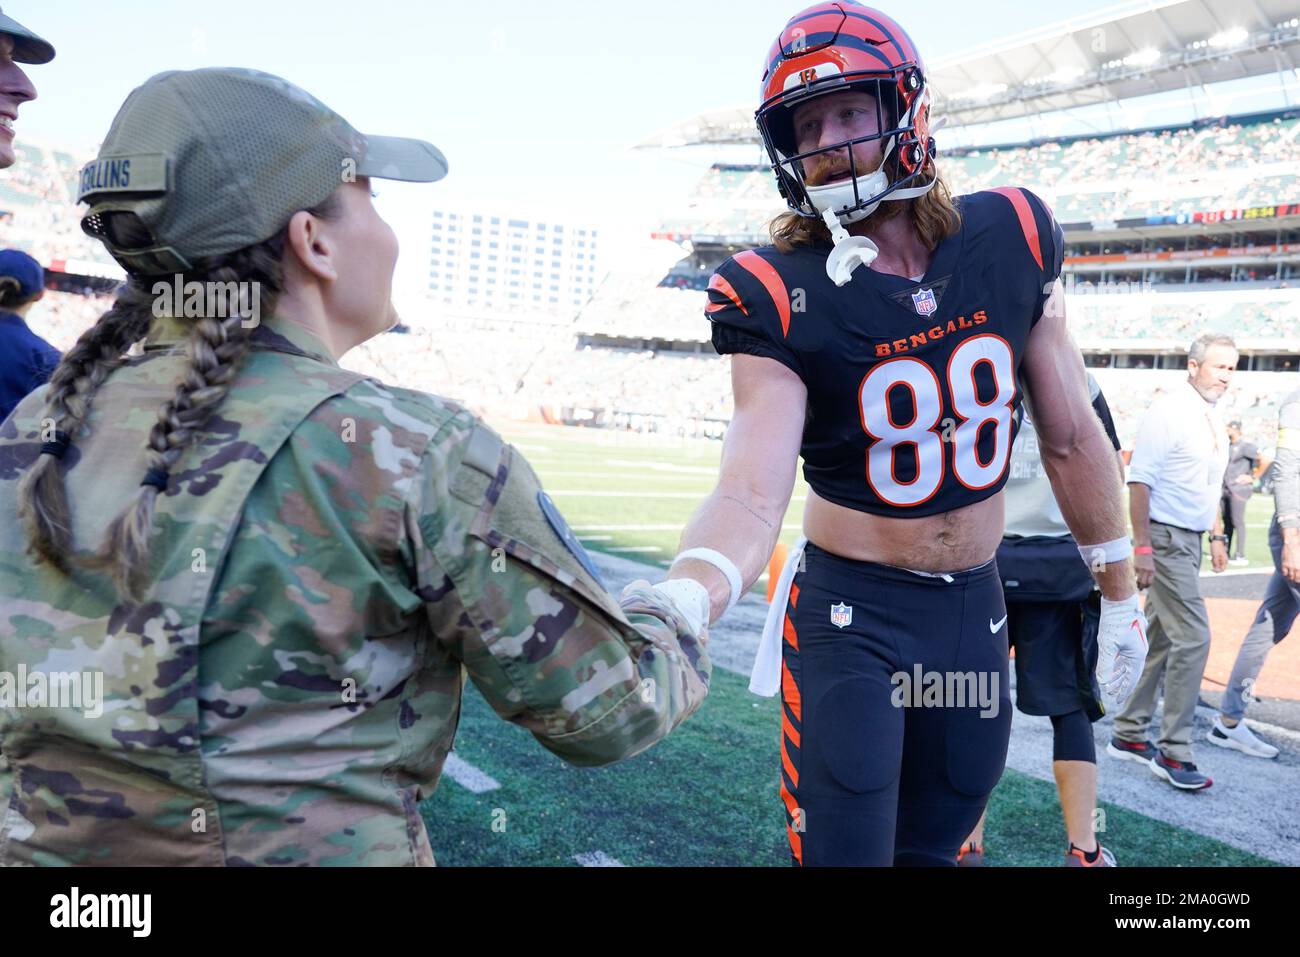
(719, 284)
(1026, 217)
(763, 271)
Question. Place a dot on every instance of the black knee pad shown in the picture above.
(1072, 738)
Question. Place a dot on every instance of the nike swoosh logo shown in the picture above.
(993, 629)
(1134, 624)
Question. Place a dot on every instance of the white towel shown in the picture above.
(765, 679)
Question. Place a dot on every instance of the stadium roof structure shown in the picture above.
(1137, 48)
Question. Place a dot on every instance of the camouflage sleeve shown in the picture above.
(512, 594)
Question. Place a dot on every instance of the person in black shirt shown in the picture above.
(1238, 484)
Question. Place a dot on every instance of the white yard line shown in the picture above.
(664, 466)
(597, 859)
(468, 776)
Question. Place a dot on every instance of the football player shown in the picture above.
(889, 335)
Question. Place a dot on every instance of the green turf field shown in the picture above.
(708, 794)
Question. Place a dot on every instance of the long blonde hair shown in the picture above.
(934, 215)
(216, 348)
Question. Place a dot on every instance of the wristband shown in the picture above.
(1144, 550)
(723, 564)
(1116, 550)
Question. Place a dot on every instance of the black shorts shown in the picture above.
(1054, 609)
(1056, 656)
(875, 772)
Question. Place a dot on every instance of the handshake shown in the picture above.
(687, 597)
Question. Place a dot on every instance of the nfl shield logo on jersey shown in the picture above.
(841, 615)
(924, 302)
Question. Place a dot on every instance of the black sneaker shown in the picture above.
(1143, 752)
(1181, 774)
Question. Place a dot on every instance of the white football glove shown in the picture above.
(1121, 649)
(690, 598)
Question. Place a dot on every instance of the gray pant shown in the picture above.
(1277, 613)
(1178, 639)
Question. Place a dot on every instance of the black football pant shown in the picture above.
(896, 710)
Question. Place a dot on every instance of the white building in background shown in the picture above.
(479, 260)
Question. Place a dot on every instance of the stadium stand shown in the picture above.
(39, 215)
(1241, 164)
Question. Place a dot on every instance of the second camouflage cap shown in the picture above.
(215, 160)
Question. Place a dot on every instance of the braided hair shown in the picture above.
(216, 348)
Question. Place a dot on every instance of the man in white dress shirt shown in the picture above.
(1175, 476)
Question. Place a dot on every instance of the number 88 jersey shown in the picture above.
(914, 387)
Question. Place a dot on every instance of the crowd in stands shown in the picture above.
(518, 371)
(39, 195)
(1136, 175)
(622, 306)
(1180, 317)
(1126, 176)
(729, 204)
(61, 317)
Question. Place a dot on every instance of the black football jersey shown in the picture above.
(913, 387)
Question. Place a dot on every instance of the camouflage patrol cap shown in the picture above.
(28, 47)
(215, 160)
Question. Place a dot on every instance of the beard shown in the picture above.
(827, 168)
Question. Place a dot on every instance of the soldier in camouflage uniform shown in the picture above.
(283, 612)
